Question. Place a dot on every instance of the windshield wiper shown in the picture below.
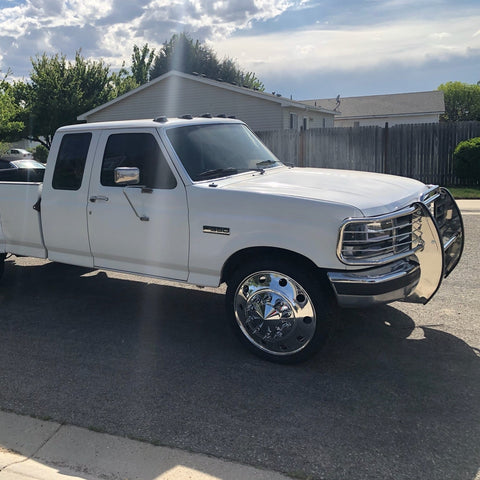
(217, 172)
(266, 163)
(220, 172)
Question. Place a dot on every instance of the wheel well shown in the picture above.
(247, 254)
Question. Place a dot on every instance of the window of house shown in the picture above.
(71, 159)
(139, 150)
(305, 123)
(294, 121)
(356, 124)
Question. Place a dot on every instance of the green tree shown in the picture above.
(462, 101)
(184, 54)
(10, 128)
(142, 60)
(122, 82)
(59, 91)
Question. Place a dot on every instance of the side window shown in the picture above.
(294, 121)
(139, 150)
(71, 160)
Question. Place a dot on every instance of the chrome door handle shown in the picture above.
(94, 198)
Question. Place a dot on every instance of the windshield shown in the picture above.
(218, 150)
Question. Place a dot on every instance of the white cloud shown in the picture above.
(441, 35)
(212, 19)
(50, 26)
(109, 28)
(354, 48)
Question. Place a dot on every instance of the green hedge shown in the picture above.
(40, 153)
(466, 160)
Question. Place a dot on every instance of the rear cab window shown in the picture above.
(71, 159)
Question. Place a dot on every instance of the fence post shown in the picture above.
(385, 149)
(301, 148)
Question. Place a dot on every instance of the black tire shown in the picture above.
(280, 310)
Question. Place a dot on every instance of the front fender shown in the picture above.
(225, 222)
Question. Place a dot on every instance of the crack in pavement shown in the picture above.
(32, 455)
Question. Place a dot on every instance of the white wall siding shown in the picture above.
(314, 119)
(322, 121)
(380, 121)
(176, 96)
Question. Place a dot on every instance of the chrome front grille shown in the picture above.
(379, 240)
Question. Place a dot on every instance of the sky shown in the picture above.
(303, 49)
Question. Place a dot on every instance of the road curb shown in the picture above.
(43, 450)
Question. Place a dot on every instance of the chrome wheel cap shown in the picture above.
(275, 313)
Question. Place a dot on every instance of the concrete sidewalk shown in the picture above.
(44, 450)
(469, 207)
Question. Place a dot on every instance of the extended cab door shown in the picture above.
(64, 197)
(140, 228)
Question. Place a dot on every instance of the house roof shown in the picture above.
(271, 97)
(416, 103)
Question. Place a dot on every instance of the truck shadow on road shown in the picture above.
(158, 363)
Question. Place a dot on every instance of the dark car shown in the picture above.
(27, 170)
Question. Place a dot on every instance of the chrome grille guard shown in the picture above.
(427, 236)
(443, 241)
(449, 222)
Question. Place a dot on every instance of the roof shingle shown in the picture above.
(383, 105)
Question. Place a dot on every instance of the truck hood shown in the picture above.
(371, 193)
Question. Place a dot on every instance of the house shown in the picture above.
(395, 109)
(175, 93)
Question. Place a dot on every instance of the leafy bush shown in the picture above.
(466, 160)
(40, 153)
(3, 148)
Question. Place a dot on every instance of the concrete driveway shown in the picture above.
(393, 396)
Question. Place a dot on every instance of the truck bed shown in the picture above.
(20, 223)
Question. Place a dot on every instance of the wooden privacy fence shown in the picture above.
(421, 151)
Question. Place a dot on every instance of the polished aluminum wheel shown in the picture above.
(274, 313)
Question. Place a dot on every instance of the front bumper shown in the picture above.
(416, 276)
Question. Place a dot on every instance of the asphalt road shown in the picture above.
(395, 395)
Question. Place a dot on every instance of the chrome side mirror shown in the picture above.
(126, 176)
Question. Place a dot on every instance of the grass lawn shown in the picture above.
(465, 192)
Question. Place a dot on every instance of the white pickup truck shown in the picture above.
(203, 201)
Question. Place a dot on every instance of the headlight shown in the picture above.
(379, 240)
